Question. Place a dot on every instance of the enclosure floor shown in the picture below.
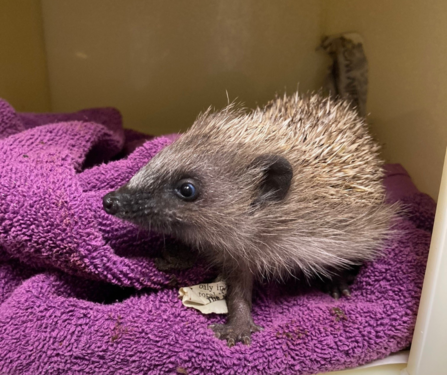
(380, 370)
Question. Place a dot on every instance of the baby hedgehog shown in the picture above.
(295, 186)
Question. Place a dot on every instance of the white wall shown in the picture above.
(162, 62)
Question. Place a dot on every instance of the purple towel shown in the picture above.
(79, 292)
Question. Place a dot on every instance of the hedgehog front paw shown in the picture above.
(235, 332)
(337, 288)
(339, 285)
(175, 256)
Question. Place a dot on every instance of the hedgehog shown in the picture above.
(294, 187)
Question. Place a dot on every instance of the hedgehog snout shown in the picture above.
(127, 204)
(111, 203)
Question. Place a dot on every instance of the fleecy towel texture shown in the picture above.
(79, 292)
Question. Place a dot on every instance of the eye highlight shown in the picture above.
(186, 190)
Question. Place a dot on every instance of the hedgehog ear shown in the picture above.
(278, 173)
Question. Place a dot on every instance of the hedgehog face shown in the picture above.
(199, 195)
(156, 198)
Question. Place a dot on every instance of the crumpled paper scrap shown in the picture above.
(207, 298)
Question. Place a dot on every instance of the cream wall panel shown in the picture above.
(162, 62)
(406, 45)
(23, 71)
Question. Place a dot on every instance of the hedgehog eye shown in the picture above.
(186, 190)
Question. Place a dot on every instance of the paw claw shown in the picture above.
(255, 328)
(234, 333)
(338, 286)
(230, 342)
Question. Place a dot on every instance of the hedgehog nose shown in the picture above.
(111, 203)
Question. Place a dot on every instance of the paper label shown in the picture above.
(207, 298)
